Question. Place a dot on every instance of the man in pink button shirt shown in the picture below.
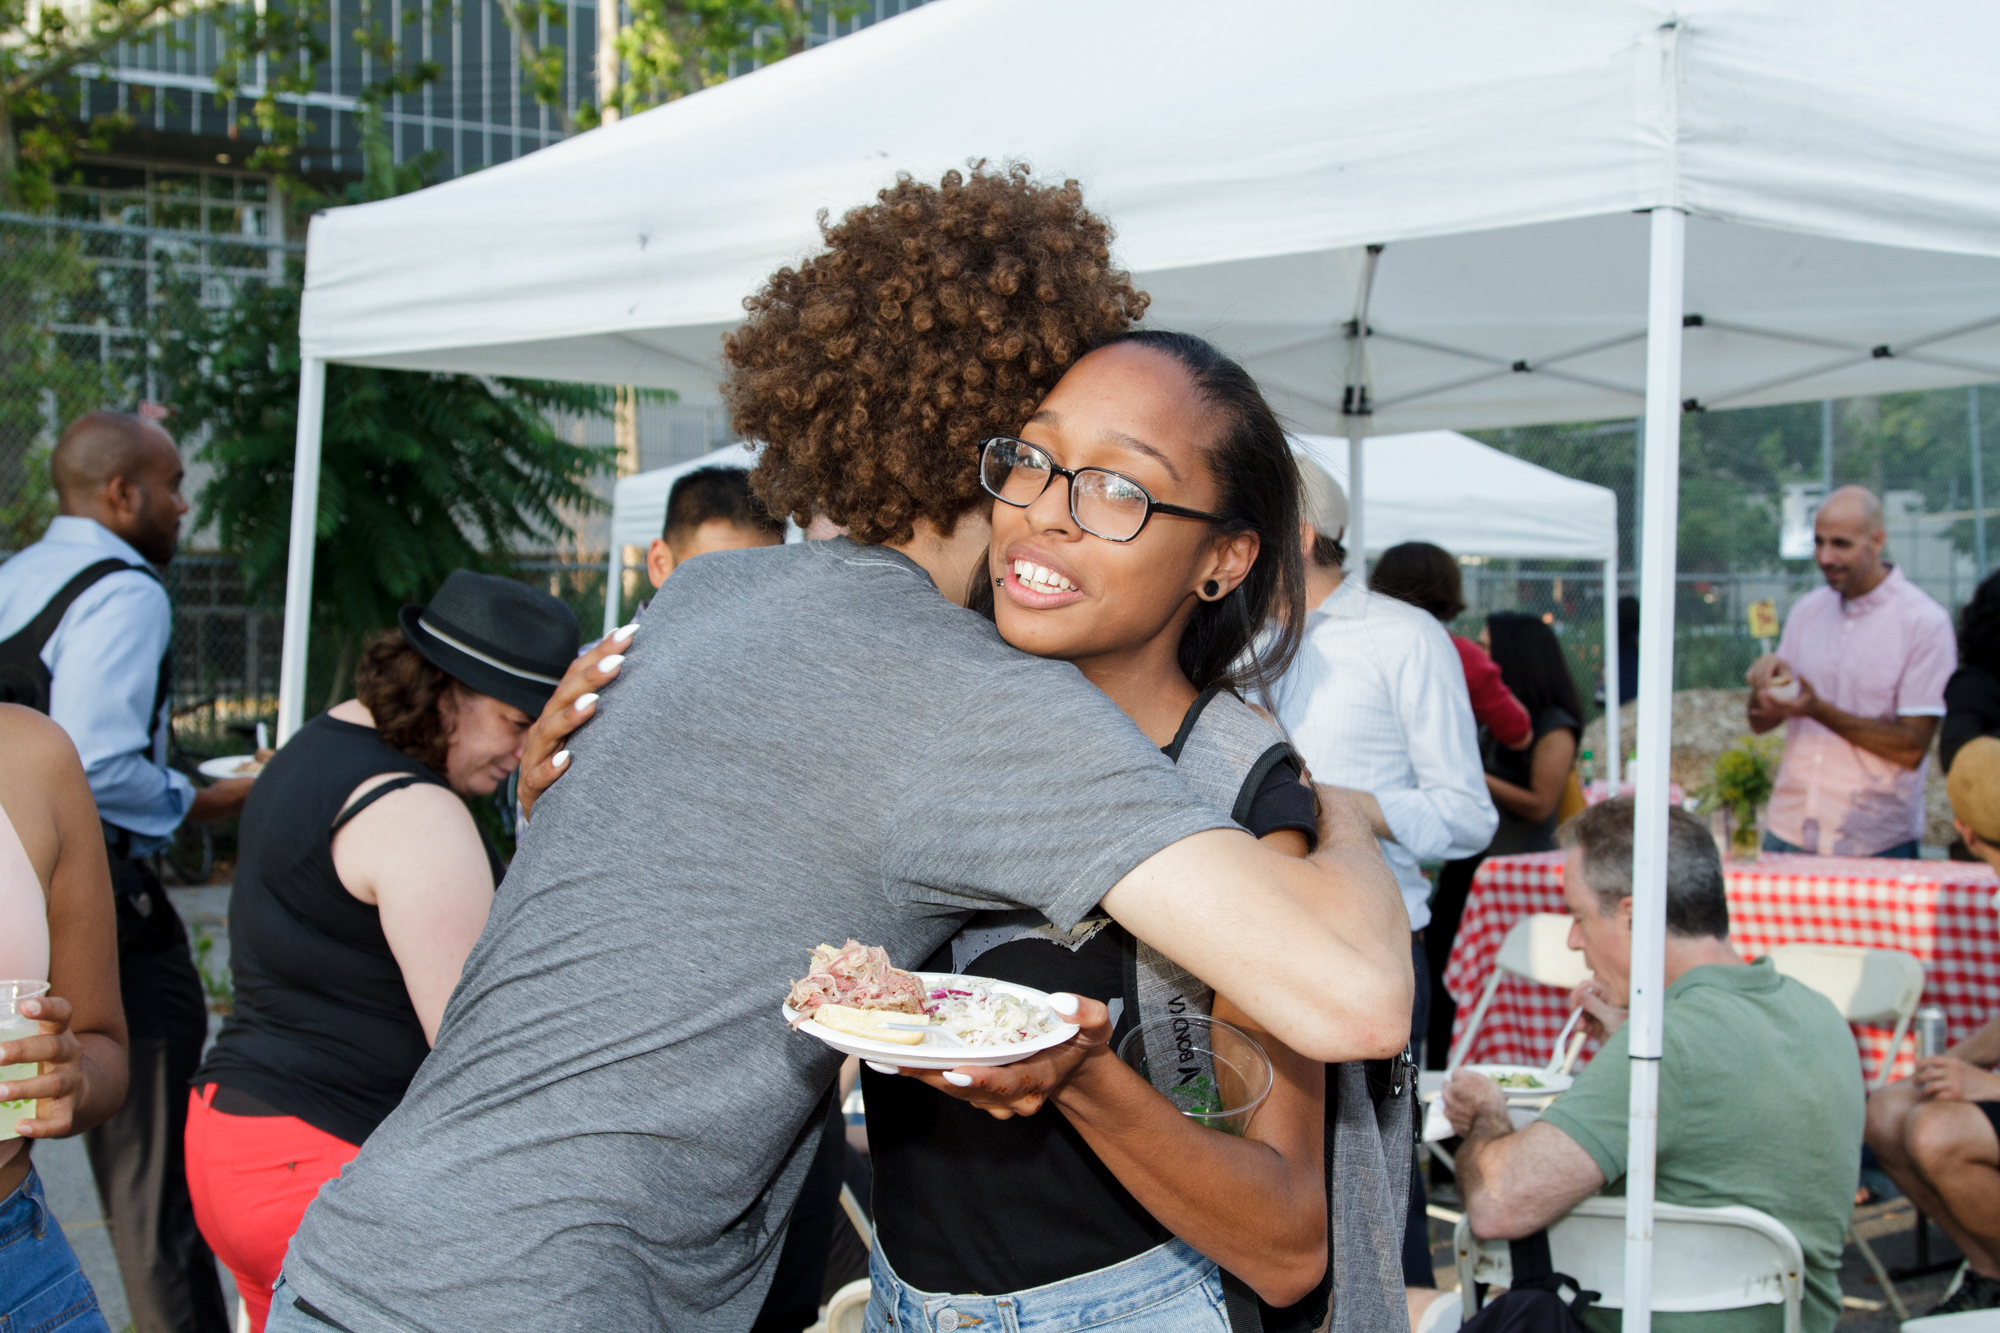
(1858, 680)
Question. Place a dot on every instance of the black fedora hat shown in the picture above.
(497, 636)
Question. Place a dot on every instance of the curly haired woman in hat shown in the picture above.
(362, 884)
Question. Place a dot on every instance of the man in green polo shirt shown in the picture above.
(1761, 1101)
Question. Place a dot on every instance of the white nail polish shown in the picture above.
(883, 1069)
(585, 702)
(624, 633)
(560, 758)
(611, 663)
(958, 1080)
(1063, 1003)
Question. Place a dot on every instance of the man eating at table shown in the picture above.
(1760, 1083)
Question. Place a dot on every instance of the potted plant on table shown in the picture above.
(1741, 781)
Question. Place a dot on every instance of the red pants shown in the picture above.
(251, 1178)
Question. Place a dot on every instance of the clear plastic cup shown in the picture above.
(13, 1027)
(1217, 1075)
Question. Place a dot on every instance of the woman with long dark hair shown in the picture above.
(1146, 530)
(1972, 696)
(1427, 577)
(1526, 786)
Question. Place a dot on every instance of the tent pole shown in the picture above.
(1978, 484)
(1355, 406)
(1612, 740)
(305, 532)
(614, 579)
(1656, 703)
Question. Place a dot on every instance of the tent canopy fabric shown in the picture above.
(1445, 488)
(1839, 161)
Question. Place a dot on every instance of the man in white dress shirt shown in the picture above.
(1376, 703)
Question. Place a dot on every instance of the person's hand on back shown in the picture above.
(543, 758)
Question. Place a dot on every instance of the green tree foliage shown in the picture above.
(43, 275)
(289, 37)
(421, 473)
(287, 41)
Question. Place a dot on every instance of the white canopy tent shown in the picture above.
(1400, 217)
(1448, 489)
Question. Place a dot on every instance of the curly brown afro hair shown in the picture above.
(936, 317)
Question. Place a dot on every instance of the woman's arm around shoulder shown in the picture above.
(416, 855)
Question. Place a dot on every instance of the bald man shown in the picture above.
(1858, 684)
(84, 631)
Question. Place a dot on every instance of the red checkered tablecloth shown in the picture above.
(1941, 911)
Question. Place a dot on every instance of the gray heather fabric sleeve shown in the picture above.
(1045, 797)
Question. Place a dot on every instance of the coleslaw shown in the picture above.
(971, 1010)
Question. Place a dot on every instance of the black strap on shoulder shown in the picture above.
(1253, 781)
(27, 679)
(1193, 715)
(374, 794)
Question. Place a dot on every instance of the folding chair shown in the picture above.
(1879, 987)
(1536, 947)
(1703, 1258)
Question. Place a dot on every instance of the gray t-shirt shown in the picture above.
(806, 743)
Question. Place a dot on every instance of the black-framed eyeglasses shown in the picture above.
(1104, 504)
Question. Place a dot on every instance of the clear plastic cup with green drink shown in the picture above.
(13, 1027)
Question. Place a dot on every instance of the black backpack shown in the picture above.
(1534, 1304)
(24, 677)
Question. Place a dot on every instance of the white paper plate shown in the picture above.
(931, 1054)
(1551, 1083)
(226, 767)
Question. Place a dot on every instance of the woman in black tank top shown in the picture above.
(361, 884)
(1146, 530)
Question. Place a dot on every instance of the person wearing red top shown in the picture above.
(1426, 576)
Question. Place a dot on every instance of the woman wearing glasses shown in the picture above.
(1146, 531)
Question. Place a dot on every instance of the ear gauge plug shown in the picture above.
(1211, 590)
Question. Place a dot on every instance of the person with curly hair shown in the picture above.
(361, 884)
(809, 743)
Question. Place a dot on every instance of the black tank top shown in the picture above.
(323, 1028)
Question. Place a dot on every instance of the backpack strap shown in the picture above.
(22, 651)
(1224, 751)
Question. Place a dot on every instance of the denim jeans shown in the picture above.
(1902, 851)
(41, 1286)
(1168, 1289)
